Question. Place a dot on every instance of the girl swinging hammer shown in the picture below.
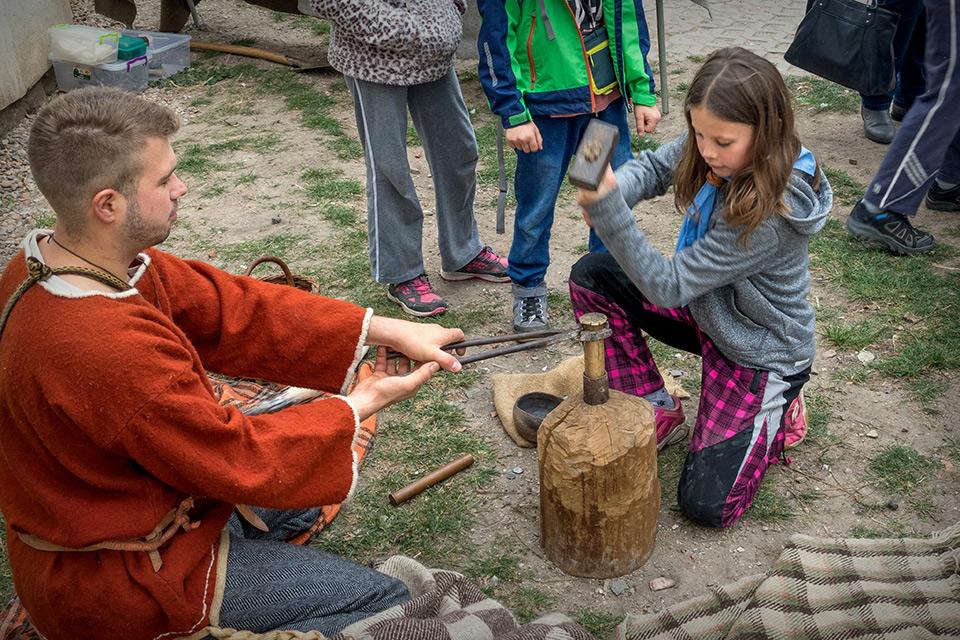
(735, 292)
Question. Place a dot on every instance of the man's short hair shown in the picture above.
(89, 140)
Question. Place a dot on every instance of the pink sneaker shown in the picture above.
(417, 297)
(795, 422)
(670, 424)
(486, 266)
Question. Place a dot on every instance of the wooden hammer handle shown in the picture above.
(238, 50)
(444, 472)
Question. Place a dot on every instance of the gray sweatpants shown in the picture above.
(272, 585)
(394, 216)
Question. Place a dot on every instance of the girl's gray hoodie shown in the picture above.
(752, 302)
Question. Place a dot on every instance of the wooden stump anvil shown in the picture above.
(593, 155)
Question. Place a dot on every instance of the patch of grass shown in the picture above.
(697, 59)
(195, 160)
(669, 466)
(777, 501)
(247, 178)
(316, 25)
(413, 138)
(822, 95)
(200, 102)
(872, 533)
(559, 308)
(846, 190)
(204, 73)
(900, 287)
(900, 469)
(489, 174)
(504, 566)
(203, 159)
(925, 508)
(581, 249)
(952, 449)
(854, 336)
(528, 603)
(213, 191)
(857, 374)
(645, 142)
(927, 391)
(340, 215)
(326, 185)
(45, 220)
(423, 433)
(282, 245)
(244, 42)
(599, 623)
(680, 89)
(819, 436)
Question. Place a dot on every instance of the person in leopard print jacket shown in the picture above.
(397, 55)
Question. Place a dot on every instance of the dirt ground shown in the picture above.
(271, 202)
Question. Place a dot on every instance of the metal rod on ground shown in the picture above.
(431, 479)
(662, 54)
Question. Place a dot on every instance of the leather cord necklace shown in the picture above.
(37, 271)
(114, 281)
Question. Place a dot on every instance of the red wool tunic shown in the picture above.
(108, 422)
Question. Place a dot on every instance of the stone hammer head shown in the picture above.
(593, 155)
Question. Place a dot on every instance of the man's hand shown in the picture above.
(524, 137)
(586, 198)
(647, 118)
(419, 342)
(392, 381)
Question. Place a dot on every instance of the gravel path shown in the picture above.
(20, 201)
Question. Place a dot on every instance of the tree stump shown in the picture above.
(599, 490)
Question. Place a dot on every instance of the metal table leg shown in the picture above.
(662, 55)
(198, 23)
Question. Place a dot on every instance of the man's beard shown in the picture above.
(139, 231)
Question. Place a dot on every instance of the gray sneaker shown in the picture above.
(530, 314)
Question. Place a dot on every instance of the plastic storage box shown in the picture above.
(126, 74)
(83, 44)
(169, 53)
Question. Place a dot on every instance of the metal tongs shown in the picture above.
(526, 341)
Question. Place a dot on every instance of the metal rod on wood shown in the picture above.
(444, 472)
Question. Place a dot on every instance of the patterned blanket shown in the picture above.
(897, 588)
(445, 606)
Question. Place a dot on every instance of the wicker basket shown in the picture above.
(287, 277)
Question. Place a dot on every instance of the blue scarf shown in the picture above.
(695, 227)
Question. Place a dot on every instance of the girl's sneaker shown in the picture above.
(417, 297)
(795, 422)
(487, 265)
(670, 424)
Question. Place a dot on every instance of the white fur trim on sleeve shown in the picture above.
(353, 448)
(358, 353)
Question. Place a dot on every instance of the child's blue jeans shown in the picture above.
(537, 182)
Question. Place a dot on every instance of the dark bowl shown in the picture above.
(530, 410)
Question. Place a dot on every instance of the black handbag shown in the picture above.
(847, 42)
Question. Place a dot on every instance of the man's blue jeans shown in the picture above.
(537, 182)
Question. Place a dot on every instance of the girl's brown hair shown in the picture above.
(739, 86)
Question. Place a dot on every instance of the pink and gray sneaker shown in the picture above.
(795, 422)
(417, 297)
(670, 424)
(485, 266)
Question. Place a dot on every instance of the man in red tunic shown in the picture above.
(119, 471)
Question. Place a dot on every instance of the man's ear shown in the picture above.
(108, 205)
